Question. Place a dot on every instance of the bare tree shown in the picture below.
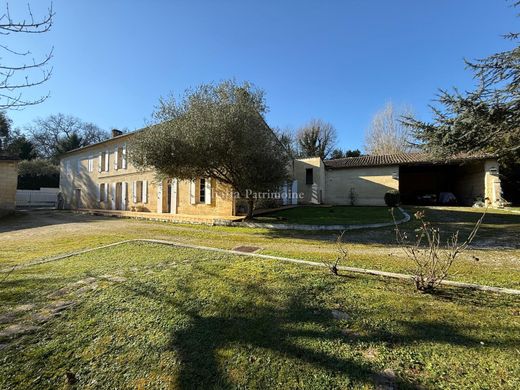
(387, 134)
(51, 133)
(20, 71)
(317, 139)
(341, 257)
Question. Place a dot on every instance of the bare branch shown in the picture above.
(21, 76)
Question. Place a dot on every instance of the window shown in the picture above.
(90, 163)
(138, 192)
(102, 192)
(309, 179)
(202, 191)
(103, 161)
(120, 157)
(78, 167)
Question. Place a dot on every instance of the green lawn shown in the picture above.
(335, 215)
(151, 316)
(27, 237)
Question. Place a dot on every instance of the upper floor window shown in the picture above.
(309, 179)
(103, 161)
(120, 157)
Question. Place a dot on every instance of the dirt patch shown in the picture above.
(17, 330)
(246, 249)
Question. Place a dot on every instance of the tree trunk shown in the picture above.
(250, 207)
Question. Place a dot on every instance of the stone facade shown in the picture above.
(8, 183)
(364, 186)
(100, 176)
(309, 174)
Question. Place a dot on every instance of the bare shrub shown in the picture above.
(432, 261)
(341, 257)
(353, 196)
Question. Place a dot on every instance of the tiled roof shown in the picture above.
(400, 159)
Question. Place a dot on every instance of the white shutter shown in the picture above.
(106, 195)
(134, 191)
(159, 197)
(294, 192)
(113, 194)
(124, 187)
(90, 164)
(116, 158)
(99, 192)
(173, 203)
(284, 193)
(207, 191)
(145, 191)
(100, 162)
(107, 166)
(192, 191)
(123, 160)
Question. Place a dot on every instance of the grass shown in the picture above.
(26, 237)
(187, 319)
(335, 215)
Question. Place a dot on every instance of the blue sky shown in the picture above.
(336, 60)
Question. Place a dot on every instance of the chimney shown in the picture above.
(116, 133)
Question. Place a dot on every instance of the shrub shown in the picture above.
(352, 197)
(392, 198)
(37, 173)
(432, 261)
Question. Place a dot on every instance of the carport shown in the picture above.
(442, 183)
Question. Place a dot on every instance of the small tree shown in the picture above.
(432, 262)
(341, 257)
(317, 139)
(215, 131)
(5, 130)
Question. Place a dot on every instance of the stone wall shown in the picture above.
(367, 185)
(8, 183)
(315, 192)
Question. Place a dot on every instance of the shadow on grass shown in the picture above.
(28, 219)
(498, 229)
(275, 327)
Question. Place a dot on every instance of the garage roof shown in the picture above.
(401, 159)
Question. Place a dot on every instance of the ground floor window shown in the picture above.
(202, 191)
(138, 191)
(102, 192)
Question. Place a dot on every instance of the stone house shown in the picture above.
(100, 177)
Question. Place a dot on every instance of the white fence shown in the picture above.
(45, 197)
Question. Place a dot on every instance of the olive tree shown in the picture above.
(218, 131)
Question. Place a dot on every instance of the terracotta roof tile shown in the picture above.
(400, 159)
